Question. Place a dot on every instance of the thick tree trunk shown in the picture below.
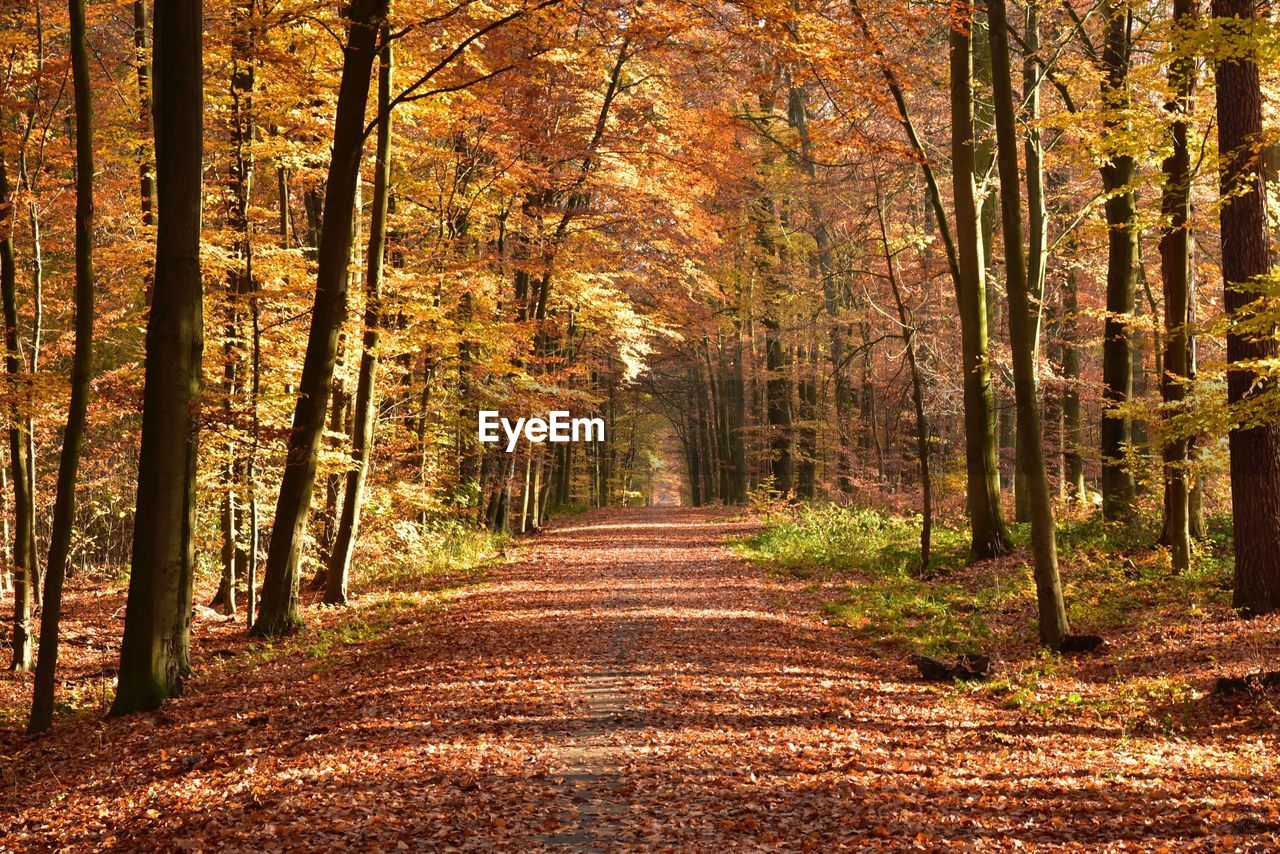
(19, 462)
(279, 607)
(1118, 173)
(990, 537)
(339, 569)
(1176, 272)
(1246, 255)
(81, 378)
(1053, 614)
(155, 654)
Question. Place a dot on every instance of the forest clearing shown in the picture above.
(594, 424)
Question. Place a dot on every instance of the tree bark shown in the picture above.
(1176, 272)
(279, 606)
(146, 158)
(1118, 173)
(81, 378)
(1071, 423)
(990, 537)
(240, 283)
(907, 331)
(155, 654)
(19, 462)
(1246, 255)
(1037, 218)
(1052, 610)
(335, 592)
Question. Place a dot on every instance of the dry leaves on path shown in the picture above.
(624, 682)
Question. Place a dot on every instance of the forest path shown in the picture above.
(623, 682)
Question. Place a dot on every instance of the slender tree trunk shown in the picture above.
(1176, 272)
(1053, 613)
(335, 592)
(279, 607)
(798, 114)
(155, 654)
(37, 329)
(240, 283)
(907, 331)
(1118, 173)
(6, 578)
(146, 161)
(1037, 218)
(990, 537)
(807, 432)
(81, 379)
(1246, 255)
(23, 517)
(741, 476)
(1071, 423)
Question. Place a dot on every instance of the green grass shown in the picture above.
(434, 556)
(1161, 703)
(819, 538)
(891, 606)
(1114, 577)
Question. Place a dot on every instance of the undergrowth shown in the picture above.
(432, 556)
(1113, 575)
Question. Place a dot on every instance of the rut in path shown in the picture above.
(624, 681)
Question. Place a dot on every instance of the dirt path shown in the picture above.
(624, 682)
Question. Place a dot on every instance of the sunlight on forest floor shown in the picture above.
(623, 680)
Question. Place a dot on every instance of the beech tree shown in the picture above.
(986, 517)
(344, 541)
(60, 531)
(1176, 275)
(278, 612)
(1053, 614)
(1246, 256)
(1118, 174)
(155, 653)
(19, 459)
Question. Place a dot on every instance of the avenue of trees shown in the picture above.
(263, 261)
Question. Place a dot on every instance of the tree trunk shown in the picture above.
(1118, 173)
(1053, 614)
(1036, 232)
(907, 331)
(155, 654)
(1176, 272)
(990, 537)
(279, 607)
(798, 114)
(81, 378)
(335, 591)
(1246, 255)
(19, 462)
(239, 285)
(146, 162)
(1071, 424)
(37, 329)
(807, 432)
